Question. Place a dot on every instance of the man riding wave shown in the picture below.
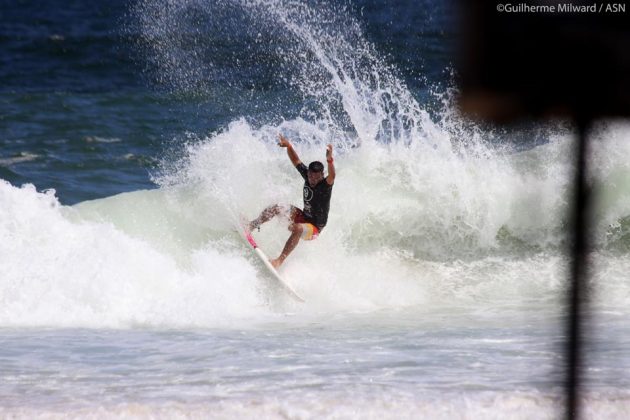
(309, 222)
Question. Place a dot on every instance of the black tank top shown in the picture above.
(316, 199)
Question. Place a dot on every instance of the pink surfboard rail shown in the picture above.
(250, 239)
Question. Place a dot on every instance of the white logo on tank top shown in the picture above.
(308, 194)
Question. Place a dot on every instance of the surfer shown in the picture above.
(309, 222)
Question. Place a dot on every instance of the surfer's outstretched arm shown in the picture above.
(295, 160)
(330, 179)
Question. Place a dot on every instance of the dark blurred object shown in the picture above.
(521, 62)
(541, 59)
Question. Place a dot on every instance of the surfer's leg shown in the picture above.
(266, 215)
(296, 232)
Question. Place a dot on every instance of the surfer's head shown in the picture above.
(315, 172)
(316, 166)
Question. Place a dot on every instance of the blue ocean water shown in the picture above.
(135, 133)
(85, 110)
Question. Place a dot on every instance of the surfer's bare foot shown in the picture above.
(277, 262)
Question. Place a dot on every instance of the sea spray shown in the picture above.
(427, 211)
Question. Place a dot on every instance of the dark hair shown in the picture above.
(316, 166)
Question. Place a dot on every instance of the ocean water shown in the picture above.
(135, 133)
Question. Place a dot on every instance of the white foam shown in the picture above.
(472, 405)
(20, 158)
(61, 273)
(409, 226)
(425, 211)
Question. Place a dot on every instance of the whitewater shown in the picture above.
(437, 289)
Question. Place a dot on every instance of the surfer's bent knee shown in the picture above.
(296, 228)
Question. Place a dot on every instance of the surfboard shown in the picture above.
(265, 260)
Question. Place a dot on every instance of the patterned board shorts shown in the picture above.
(309, 230)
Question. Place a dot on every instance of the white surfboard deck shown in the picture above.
(283, 283)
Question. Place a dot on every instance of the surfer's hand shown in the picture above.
(283, 141)
(329, 151)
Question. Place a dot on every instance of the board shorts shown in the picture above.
(309, 230)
